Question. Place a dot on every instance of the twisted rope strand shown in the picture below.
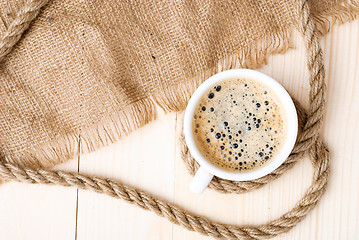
(308, 142)
(319, 156)
(315, 66)
(18, 26)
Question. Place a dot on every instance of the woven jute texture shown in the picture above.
(93, 71)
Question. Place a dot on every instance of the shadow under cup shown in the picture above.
(208, 169)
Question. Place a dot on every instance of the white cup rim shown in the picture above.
(291, 117)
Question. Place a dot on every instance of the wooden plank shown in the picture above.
(150, 160)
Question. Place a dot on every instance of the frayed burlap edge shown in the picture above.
(136, 115)
(342, 13)
(101, 134)
(140, 113)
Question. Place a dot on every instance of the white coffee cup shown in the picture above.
(207, 170)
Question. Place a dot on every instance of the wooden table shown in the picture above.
(150, 159)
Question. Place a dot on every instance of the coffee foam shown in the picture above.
(239, 125)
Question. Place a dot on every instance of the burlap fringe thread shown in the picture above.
(308, 140)
(142, 112)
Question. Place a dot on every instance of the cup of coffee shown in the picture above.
(239, 125)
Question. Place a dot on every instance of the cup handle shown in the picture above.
(200, 181)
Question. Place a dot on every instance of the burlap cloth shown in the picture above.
(93, 71)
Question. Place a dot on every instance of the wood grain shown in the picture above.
(149, 159)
